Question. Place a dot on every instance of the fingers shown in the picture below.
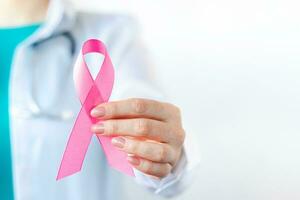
(149, 130)
(136, 108)
(151, 168)
(150, 150)
(145, 128)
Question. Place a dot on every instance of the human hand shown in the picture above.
(149, 131)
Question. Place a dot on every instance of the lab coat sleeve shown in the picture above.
(134, 79)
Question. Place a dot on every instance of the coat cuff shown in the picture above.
(166, 186)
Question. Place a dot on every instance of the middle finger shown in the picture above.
(140, 127)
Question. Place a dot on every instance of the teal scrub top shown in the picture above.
(9, 40)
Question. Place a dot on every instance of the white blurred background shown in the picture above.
(234, 68)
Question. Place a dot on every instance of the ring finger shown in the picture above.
(140, 127)
(150, 150)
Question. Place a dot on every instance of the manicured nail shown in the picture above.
(133, 160)
(118, 142)
(98, 112)
(97, 128)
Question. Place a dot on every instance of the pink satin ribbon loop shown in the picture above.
(91, 93)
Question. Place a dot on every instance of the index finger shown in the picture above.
(134, 108)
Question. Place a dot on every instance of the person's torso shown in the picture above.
(43, 107)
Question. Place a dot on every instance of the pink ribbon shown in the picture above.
(91, 93)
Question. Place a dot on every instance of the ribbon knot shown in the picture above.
(91, 93)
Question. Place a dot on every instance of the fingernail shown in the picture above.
(118, 142)
(98, 112)
(133, 160)
(97, 128)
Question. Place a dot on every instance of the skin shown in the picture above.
(149, 131)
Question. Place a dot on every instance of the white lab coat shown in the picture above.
(43, 107)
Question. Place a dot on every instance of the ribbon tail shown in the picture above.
(77, 146)
(117, 159)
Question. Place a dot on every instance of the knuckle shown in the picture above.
(146, 151)
(133, 147)
(167, 170)
(139, 105)
(112, 109)
(164, 170)
(112, 127)
(174, 110)
(181, 136)
(162, 154)
(177, 111)
(147, 167)
(142, 127)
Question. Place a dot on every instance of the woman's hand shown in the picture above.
(149, 131)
